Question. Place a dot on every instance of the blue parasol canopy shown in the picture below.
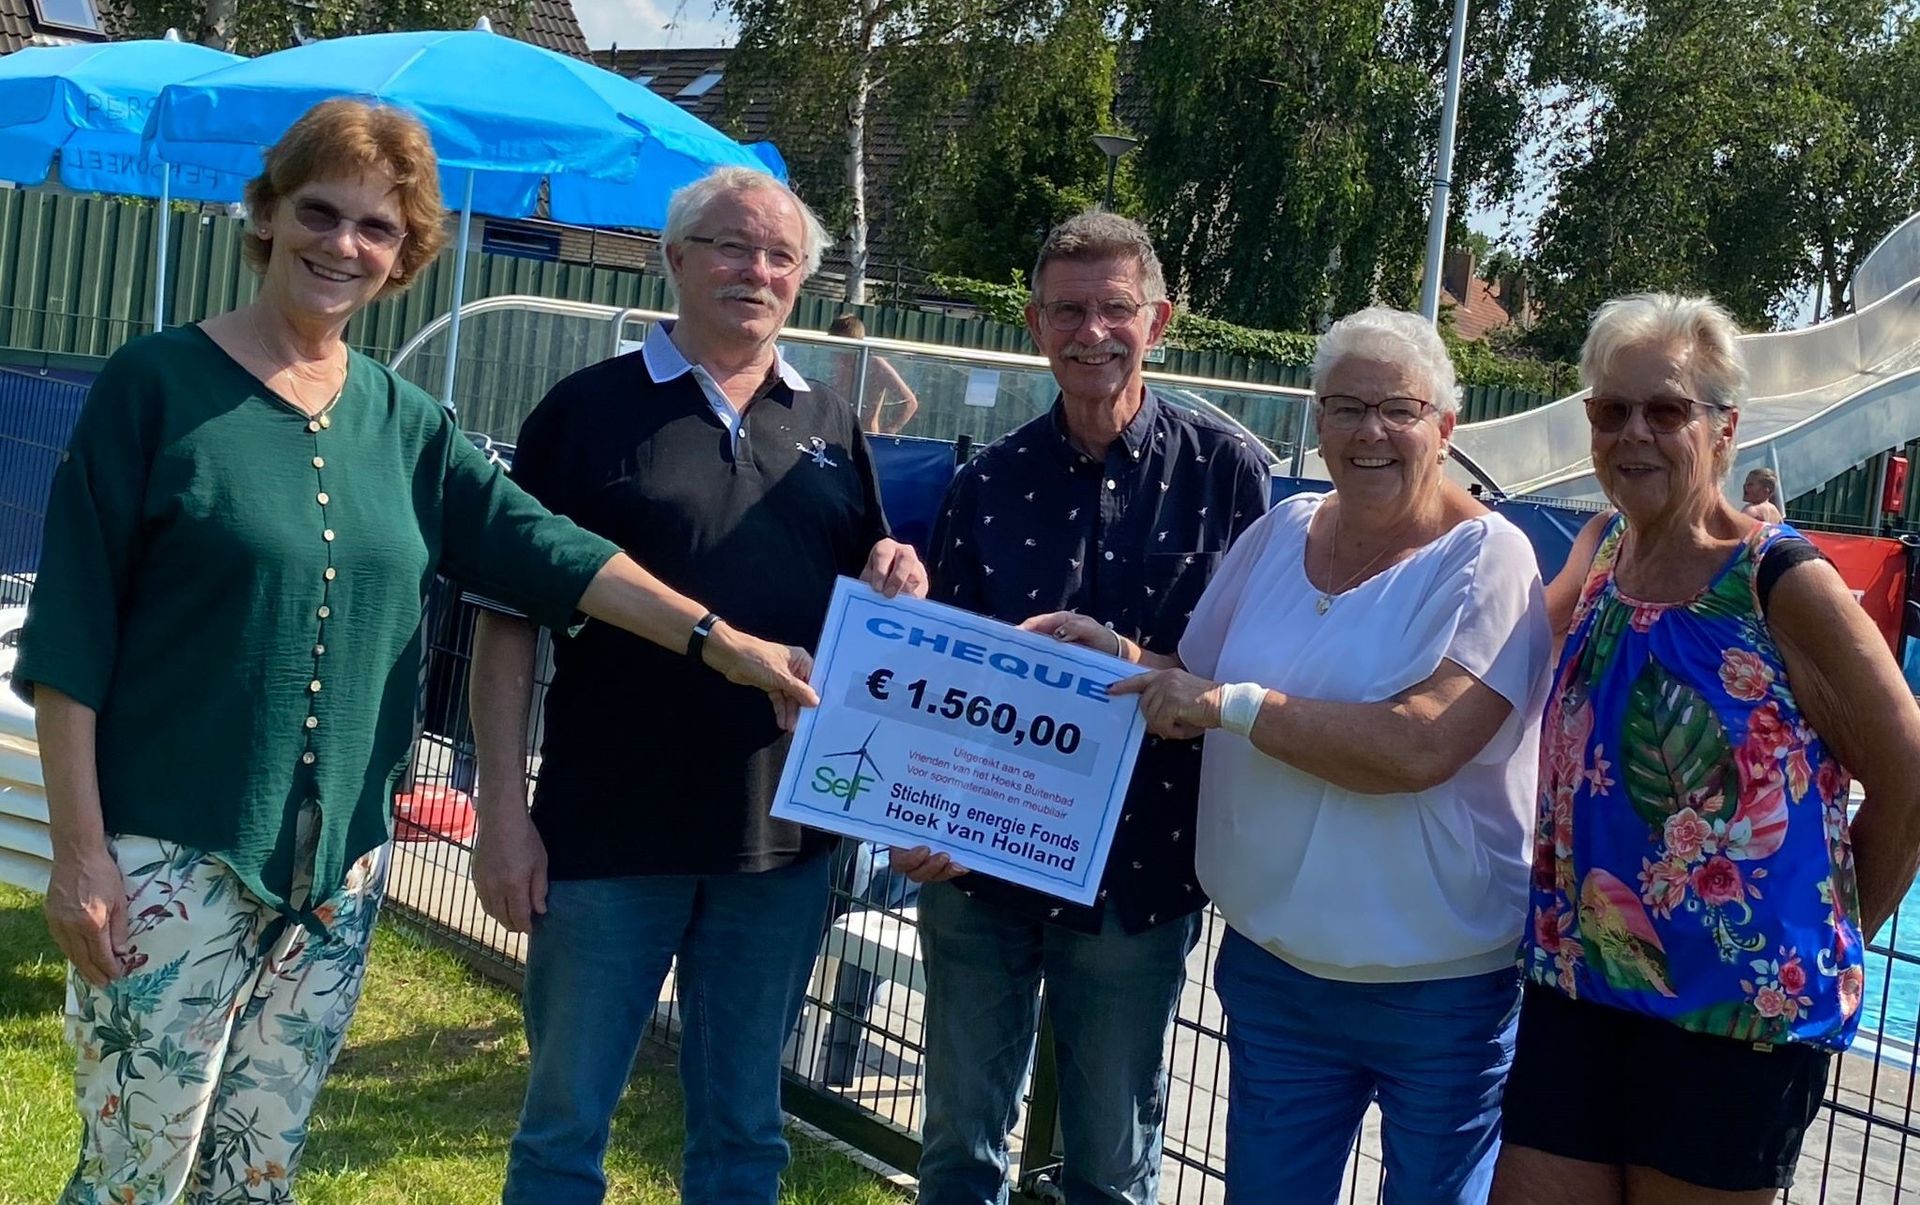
(89, 105)
(505, 116)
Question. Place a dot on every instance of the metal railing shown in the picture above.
(513, 349)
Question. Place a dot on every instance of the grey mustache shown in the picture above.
(744, 293)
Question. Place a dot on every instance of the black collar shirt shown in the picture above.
(1032, 524)
(651, 762)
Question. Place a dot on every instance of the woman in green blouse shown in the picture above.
(223, 654)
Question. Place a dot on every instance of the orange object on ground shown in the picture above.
(429, 813)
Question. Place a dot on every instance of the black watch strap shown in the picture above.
(701, 631)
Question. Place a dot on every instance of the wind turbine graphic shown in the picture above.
(865, 761)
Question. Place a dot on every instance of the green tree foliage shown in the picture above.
(261, 26)
(1289, 142)
(1018, 157)
(989, 105)
(1745, 148)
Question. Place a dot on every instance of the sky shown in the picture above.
(677, 24)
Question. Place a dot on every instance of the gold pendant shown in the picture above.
(1325, 601)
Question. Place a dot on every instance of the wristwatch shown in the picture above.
(701, 631)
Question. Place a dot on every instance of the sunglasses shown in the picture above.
(322, 218)
(1664, 415)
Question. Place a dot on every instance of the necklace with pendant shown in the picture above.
(1324, 603)
(297, 403)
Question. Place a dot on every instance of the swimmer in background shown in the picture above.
(880, 413)
(1761, 495)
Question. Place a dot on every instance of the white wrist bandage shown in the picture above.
(1240, 706)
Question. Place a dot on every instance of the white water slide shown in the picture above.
(1822, 399)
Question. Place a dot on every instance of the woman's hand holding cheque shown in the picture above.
(1178, 705)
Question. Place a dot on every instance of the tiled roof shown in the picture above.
(1480, 314)
(1478, 307)
(548, 23)
(18, 28)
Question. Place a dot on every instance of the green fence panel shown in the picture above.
(76, 277)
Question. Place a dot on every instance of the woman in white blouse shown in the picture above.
(1368, 665)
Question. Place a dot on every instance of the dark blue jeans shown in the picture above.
(745, 945)
(1112, 997)
(1307, 1055)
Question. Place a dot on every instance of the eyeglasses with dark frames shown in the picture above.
(1344, 413)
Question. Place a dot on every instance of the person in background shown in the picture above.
(1701, 901)
(888, 405)
(1760, 494)
(223, 653)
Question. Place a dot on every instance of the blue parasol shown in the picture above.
(88, 105)
(505, 116)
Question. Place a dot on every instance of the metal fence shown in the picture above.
(854, 1064)
(76, 278)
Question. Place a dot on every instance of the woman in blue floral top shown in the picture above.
(1695, 948)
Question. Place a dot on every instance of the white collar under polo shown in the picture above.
(665, 362)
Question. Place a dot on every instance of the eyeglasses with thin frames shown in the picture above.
(781, 261)
(1067, 316)
(1664, 415)
(1344, 413)
(375, 234)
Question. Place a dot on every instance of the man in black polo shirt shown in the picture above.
(1117, 505)
(710, 458)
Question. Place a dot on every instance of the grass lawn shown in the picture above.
(419, 1108)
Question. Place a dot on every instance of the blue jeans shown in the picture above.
(745, 945)
(1111, 996)
(1307, 1055)
(862, 871)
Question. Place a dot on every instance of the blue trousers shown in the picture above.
(1112, 997)
(1307, 1055)
(745, 944)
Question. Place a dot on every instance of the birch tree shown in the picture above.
(825, 72)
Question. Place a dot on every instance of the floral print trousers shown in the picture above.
(197, 1069)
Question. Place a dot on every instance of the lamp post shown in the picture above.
(1113, 146)
(1443, 168)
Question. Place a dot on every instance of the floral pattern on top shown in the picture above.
(1691, 854)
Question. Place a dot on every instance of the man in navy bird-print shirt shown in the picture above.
(1118, 505)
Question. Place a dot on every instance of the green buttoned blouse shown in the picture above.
(236, 589)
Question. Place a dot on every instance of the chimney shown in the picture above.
(1513, 296)
(1457, 273)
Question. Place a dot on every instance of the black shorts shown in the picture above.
(1606, 1086)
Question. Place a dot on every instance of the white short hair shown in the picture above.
(1698, 326)
(1391, 337)
(688, 205)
